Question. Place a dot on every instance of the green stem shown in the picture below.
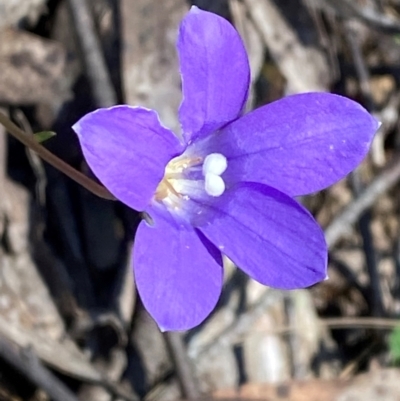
(52, 159)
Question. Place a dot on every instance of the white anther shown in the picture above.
(214, 163)
(214, 184)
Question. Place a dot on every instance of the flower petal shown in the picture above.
(268, 235)
(127, 149)
(178, 273)
(299, 144)
(215, 73)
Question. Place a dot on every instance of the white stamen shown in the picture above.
(214, 163)
(188, 187)
(214, 184)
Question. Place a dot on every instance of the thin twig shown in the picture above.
(350, 369)
(360, 66)
(349, 275)
(389, 117)
(3, 159)
(279, 36)
(52, 159)
(242, 325)
(27, 363)
(295, 359)
(396, 256)
(344, 221)
(356, 183)
(374, 19)
(339, 323)
(3, 165)
(34, 160)
(102, 89)
(360, 323)
(184, 370)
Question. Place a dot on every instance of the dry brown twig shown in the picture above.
(356, 183)
(242, 324)
(366, 14)
(343, 223)
(26, 362)
(184, 369)
(102, 89)
(287, 49)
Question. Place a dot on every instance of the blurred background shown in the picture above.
(71, 325)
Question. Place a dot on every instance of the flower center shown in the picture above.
(190, 176)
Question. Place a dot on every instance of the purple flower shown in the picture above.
(228, 185)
